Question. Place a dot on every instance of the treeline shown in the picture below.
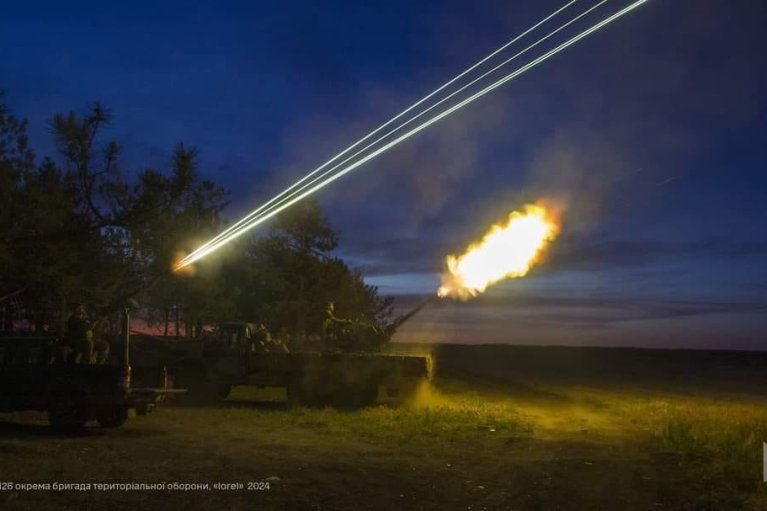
(78, 228)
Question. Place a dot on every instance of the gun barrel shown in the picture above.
(412, 312)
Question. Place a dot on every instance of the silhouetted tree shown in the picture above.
(81, 231)
(295, 275)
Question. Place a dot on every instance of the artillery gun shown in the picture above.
(357, 335)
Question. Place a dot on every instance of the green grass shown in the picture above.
(464, 443)
(707, 450)
(714, 453)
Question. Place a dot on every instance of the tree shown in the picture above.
(81, 231)
(16, 160)
(295, 276)
(38, 222)
(166, 214)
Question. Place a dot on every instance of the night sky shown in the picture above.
(653, 131)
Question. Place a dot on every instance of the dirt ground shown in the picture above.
(466, 442)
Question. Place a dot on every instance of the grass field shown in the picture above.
(499, 428)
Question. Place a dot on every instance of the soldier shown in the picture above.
(263, 341)
(80, 335)
(103, 328)
(339, 332)
(328, 325)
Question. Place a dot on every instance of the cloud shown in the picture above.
(584, 255)
(590, 320)
(423, 255)
(603, 309)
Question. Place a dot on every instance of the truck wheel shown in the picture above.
(223, 390)
(300, 394)
(65, 413)
(402, 391)
(296, 395)
(355, 396)
(367, 395)
(370, 394)
(112, 417)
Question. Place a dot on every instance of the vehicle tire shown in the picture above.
(296, 394)
(66, 413)
(354, 396)
(403, 391)
(112, 417)
(223, 390)
(370, 394)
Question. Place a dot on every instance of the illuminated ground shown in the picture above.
(467, 443)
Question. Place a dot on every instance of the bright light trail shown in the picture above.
(283, 196)
(380, 128)
(203, 251)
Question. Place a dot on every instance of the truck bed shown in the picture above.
(32, 379)
(282, 368)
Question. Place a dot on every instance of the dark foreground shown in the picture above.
(502, 428)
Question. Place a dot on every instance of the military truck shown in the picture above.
(238, 355)
(35, 376)
(242, 353)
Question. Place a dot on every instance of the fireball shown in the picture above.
(508, 250)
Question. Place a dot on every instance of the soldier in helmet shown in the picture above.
(102, 329)
(80, 328)
(80, 334)
(338, 331)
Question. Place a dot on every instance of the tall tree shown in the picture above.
(81, 231)
(297, 276)
(176, 212)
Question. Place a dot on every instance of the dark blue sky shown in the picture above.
(654, 132)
